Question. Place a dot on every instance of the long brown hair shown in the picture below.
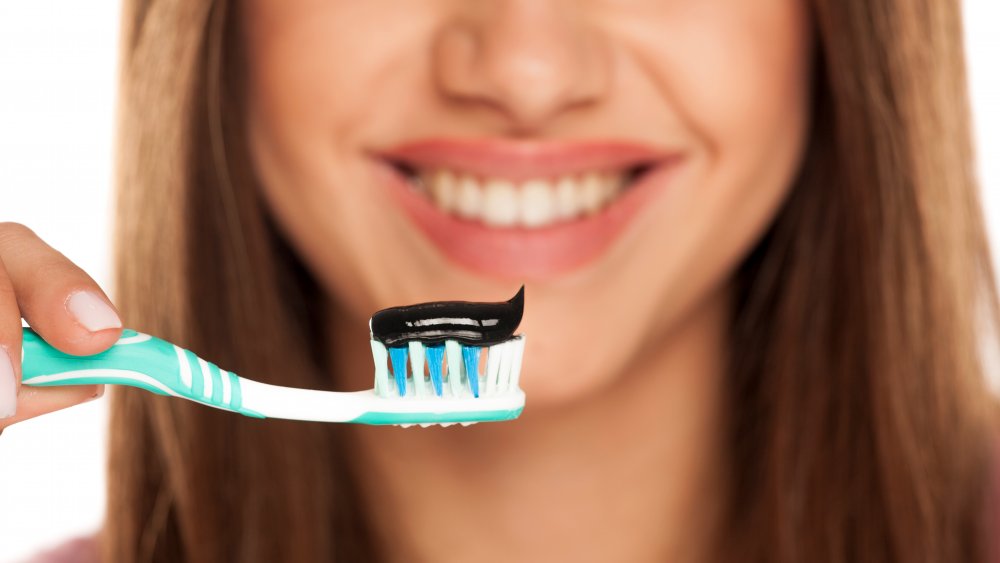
(862, 427)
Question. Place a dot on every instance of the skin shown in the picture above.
(618, 455)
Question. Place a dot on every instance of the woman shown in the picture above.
(755, 264)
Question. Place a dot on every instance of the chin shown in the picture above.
(568, 360)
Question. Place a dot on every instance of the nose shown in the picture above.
(529, 60)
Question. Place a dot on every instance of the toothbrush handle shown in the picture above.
(138, 360)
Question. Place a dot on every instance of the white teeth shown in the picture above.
(500, 204)
(537, 203)
(530, 204)
(445, 189)
(590, 193)
(567, 202)
(469, 198)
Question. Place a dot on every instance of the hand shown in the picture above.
(62, 304)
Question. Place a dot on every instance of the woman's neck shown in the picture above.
(633, 473)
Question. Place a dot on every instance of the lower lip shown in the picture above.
(526, 254)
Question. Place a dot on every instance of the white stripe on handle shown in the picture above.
(135, 339)
(185, 366)
(206, 375)
(227, 390)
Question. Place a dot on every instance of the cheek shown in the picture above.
(735, 76)
(753, 120)
(318, 81)
(743, 89)
(744, 93)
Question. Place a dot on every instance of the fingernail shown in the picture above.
(92, 312)
(8, 385)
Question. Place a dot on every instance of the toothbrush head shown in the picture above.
(447, 362)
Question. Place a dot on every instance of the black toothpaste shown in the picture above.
(470, 323)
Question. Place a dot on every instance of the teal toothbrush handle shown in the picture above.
(138, 360)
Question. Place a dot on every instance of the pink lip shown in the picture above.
(517, 253)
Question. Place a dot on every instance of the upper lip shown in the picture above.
(522, 160)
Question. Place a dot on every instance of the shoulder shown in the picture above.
(78, 550)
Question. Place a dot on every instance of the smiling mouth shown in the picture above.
(527, 203)
(523, 209)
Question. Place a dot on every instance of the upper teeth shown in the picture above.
(531, 203)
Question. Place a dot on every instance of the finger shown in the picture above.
(36, 401)
(58, 299)
(10, 346)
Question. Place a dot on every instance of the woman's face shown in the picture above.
(617, 156)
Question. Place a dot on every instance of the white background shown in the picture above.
(57, 96)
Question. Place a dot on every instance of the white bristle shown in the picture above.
(454, 352)
(417, 367)
(380, 355)
(492, 368)
(506, 355)
(515, 375)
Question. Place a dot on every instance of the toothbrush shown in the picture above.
(448, 338)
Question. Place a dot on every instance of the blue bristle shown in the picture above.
(399, 355)
(470, 355)
(435, 357)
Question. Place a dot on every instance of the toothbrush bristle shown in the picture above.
(453, 369)
(470, 357)
(435, 362)
(397, 356)
(417, 367)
